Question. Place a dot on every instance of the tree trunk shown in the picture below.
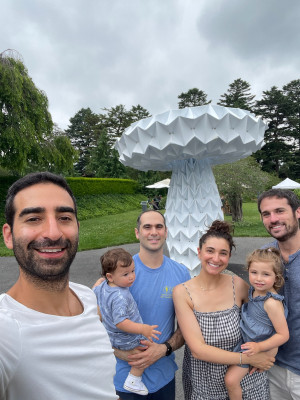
(236, 206)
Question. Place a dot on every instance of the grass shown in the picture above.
(118, 229)
(251, 226)
(110, 230)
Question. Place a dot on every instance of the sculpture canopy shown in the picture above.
(188, 141)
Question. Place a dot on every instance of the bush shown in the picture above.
(107, 204)
(297, 191)
(162, 203)
(94, 186)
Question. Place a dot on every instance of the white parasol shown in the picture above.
(165, 183)
(287, 184)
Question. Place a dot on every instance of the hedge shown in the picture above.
(79, 186)
(92, 186)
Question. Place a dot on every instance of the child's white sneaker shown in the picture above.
(134, 384)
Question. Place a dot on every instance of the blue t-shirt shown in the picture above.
(117, 304)
(152, 291)
(288, 355)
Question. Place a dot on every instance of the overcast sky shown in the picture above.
(101, 53)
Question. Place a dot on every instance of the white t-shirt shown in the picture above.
(50, 357)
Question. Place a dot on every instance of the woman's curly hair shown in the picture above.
(219, 229)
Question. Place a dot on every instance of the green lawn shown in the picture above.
(110, 230)
(251, 225)
(118, 229)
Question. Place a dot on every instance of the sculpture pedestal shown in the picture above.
(193, 203)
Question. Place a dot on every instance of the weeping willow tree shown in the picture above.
(27, 139)
(25, 122)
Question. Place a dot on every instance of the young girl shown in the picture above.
(119, 312)
(263, 319)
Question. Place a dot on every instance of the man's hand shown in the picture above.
(148, 355)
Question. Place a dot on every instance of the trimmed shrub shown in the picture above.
(94, 186)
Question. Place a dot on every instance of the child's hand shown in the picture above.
(251, 348)
(98, 282)
(149, 332)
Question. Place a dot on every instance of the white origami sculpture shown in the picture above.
(188, 141)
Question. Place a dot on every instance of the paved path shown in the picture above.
(86, 270)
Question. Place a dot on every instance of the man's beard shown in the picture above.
(291, 231)
(49, 274)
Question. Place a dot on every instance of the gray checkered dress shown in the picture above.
(205, 381)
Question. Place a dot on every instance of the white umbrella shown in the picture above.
(165, 183)
(287, 184)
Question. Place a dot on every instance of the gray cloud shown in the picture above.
(100, 53)
(253, 29)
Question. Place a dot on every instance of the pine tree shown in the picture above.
(192, 98)
(273, 109)
(238, 96)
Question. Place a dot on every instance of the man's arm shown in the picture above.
(154, 351)
(176, 340)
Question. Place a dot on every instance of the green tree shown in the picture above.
(238, 180)
(192, 98)
(138, 112)
(104, 161)
(291, 91)
(84, 132)
(59, 156)
(238, 96)
(66, 155)
(117, 119)
(273, 109)
(25, 122)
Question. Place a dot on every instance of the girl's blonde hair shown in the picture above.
(272, 256)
